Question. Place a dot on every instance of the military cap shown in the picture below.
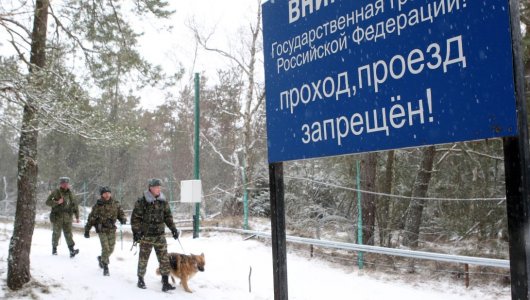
(104, 189)
(155, 182)
(64, 180)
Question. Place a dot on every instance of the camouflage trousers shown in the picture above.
(62, 224)
(107, 240)
(146, 245)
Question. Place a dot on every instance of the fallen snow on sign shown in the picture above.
(229, 259)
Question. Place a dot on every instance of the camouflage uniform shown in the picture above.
(61, 215)
(148, 220)
(103, 217)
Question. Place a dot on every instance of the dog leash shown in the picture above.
(185, 252)
(142, 241)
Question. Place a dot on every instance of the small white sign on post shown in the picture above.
(190, 191)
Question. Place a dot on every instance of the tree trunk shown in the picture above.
(368, 172)
(18, 272)
(419, 190)
(383, 207)
(250, 111)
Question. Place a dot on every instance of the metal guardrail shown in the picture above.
(479, 261)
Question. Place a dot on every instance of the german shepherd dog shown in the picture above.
(184, 267)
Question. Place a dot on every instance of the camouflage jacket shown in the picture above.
(67, 208)
(150, 214)
(104, 215)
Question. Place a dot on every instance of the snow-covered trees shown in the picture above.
(50, 95)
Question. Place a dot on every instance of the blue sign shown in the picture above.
(358, 76)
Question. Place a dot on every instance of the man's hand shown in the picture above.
(175, 233)
(77, 220)
(87, 234)
(137, 236)
(60, 200)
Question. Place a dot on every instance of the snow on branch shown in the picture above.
(226, 161)
(62, 106)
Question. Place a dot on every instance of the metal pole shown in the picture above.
(170, 182)
(516, 165)
(245, 198)
(120, 198)
(466, 274)
(6, 196)
(359, 216)
(279, 256)
(170, 186)
(196, 217)
(84, 201)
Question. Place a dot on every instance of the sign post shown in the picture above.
(196, 161)
(345, 77)
(279, 241)
(516, 168)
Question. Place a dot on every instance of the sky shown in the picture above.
(176, 48)
(224, 20)
(229, 259)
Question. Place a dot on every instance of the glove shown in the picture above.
(87, 234)
(137, 236)
(175, 233)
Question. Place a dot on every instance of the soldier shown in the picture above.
(103, 217)
(64, 205)
(150, 213)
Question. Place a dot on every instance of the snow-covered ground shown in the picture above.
(228, 261)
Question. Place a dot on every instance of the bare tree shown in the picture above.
(245, 156)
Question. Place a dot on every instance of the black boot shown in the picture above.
(106, 270)
(54, 250)
(165, 284)
(99, 262)
(141, 283)
(73, 252)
